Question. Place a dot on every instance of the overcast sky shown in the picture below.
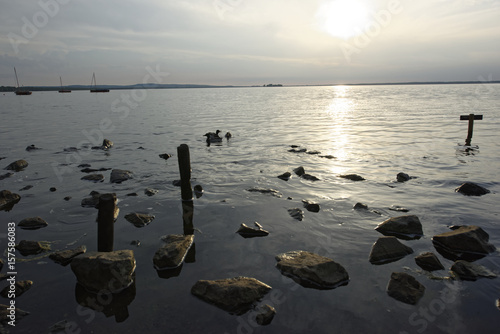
(248, 42)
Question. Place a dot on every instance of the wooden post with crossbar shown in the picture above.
(470, 118)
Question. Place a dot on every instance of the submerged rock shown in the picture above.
(92, 170)
(92, 201)
(296, 213)
(5, 313)
(273, 192)
(66, 256)
(8, 200)
(428, 261)
(352, 177)
(150, 192)
(329, 156)
(285, 176)
(265, 315)
(20, 287)
(109, 271)
(310, 206)
(93, 177)
(6, 175)
(465, 239)
(28, 247)
(106, 144)
(402, 177)
(360, 206)
(32, 223)
(248, 232)
(407, 227)
(235, 295)
(173, 253)
(297, 150)
(120, 175)
(470, 271)
(198, 191)
(472, 189)
(299, 171)
(17, 166)
(312, 270)
(139, 219)
(309, 177)
(405, 288)
(388, 249)
(32, 147)
(165, 156)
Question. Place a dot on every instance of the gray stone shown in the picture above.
(120, 175)
(352, 177)
(470, 271)
(407, 227)
(93, 177)
(20, 287)
(235, 295)
(465, 239)
(312, 270)
(32, 223)
(29, 247)
(150, 191)
(66, 256)
(249, 232)
(402, 177)
(405, 288)
(139, 219)
(388, 249)
(273, 192)
(173, 253)
(111, 271)
(311, 206)
(265, 315)
(296, 213)
(472, 189)
(428, 261)
(6, 175)
(17, 166)
(8, 200)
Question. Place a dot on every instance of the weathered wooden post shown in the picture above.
(186, 190)
(105, 222)
(470, 118)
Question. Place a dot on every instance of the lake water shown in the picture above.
(373, 131)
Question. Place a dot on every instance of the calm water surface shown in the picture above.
(373, 131)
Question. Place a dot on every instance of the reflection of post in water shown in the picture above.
(186, 190)
(105, 222)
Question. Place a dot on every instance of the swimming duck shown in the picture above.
(213, 137)
(228, 135)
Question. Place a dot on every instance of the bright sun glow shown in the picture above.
(343, 18)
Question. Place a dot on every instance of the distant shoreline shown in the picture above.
(179, 86)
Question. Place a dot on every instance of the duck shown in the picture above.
(228, 135)
(213, 137)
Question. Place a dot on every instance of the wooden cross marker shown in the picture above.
(471, 118)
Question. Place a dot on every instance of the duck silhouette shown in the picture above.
(213, 137)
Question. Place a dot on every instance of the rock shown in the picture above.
(173, 253)
(106, 144)
(472, 189)
(20, 288)
(470, 271)
(132, 194)
(28, 247)
(52, 189)
(135, 243)
(8, 200)
(465, 239)
(93, 177)
(313, 152)
(150, 192)
(265, 315)
(120, 175)
(67, 198)
(4, 315)
(428, 261)
(360, 206)
(407, 227)
(32, 223)
(299, 171)
(108, 271)
(327, 156)
(312, 270)
(402, 177)
(309, 177)
(139, 219)
(92, 201)
(60, 327)
(398, 208)
(310, 206)
(66, 256)
(295, 150)
(32, 147)
(405, 288)
(235, 295)
(6, 175)
(248, 232)
(93, 170)
(352, 177)
(388, 249)
(285, 176)
(198, 191)
(17, 166)
(165, 156)
(28, 187)
(296, 213)
(273, 192)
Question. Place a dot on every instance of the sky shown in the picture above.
(248, 42)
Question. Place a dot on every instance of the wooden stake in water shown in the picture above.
(105, 222)
(185, 171)
(470, 118)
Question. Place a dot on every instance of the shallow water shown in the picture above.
(373, 131)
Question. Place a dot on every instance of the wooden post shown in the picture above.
(470, 118)
(105, 222)
(185, 171)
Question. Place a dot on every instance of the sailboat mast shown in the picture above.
(60, 80)
(17, 80)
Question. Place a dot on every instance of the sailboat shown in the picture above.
(18, 90)
(62, 89)
(95, 89)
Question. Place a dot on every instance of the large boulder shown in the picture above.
(465, 239)
(235, 295)
(17, 166)
(405, 288)
(406, 227)
(8, 200)
(109, 271)
(173, 253)
(32, 223)
(312, 270)
(470, 271)
(472, 189)
(388, 249)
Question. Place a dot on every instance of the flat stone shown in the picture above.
(352, 177)
(173, 253)
(20, 288)
(66, 256)
(311, 206)
(32, 223)
(265, 315)
(17, 166)
(249, 232)
(296, 213)
(405, 288)
(312, 270)
(388, 249)
(29, 247)
(120, 175)
(465, 239)
(428, 261)
(472, 189)
(235, 295)
(8, 200)
(471, 271)
(406, 227)
(93, 177)
(139, 219)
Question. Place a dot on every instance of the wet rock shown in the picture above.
(470, 271)
(66, 256)
(296, 213)
(405, 288)
(388, 249)
(106, 144)
(60, 327)
(17, 166)
(8, 200)
(310, 206)
(70, 149)
(265, 315)
(120, 175)
(132, 194)
(235, 295)
(92, 201)
(150, 192)
(402, 177)
(198, 191)
(83, 165)
(135, 243)
(67, 198)
(93, 177)
(406, 227)
(285, 176)
(299, 171)
(52, 189)
(327, 156)
(29, 247)
(313, 152)
(428, 261)
(32, 147)
(297, 150)
(139, 219)
(109, 271)
(6, 175)
(165, 156)
(28, 187)
(472, 189)
(93, 170)
(398, 208)
(1, 264)
(352, 177)
(32, 223)
(465, 239)
(360, 206)
(173, 253)
(309, 177)
(312, 270)
(249, 232)
(273, 192)
(20, 288)
(4, 316)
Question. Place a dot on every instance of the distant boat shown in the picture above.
(18, 90)
(62, 89)
(95, 89)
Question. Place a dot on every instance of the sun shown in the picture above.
(343, 18)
